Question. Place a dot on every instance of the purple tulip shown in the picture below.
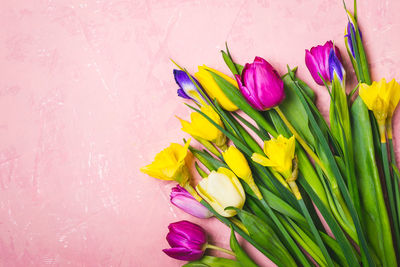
(261, 84)
(187, 89)
(187, 240)
(185, 201)
(317, 61)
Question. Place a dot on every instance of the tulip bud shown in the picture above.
(187, 240)
(213, 90)
(182, 199)
(318, 63)
(239, 165)
(222, 189)
(261, 85)
(187, 89)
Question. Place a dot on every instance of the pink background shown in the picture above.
(87, 97)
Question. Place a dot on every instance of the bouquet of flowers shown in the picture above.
(269, 160)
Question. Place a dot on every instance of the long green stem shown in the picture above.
(239, 231)
(299, 138)
(227, 251)
(389, 187)
(396, 187)
(306, 243)
(315, 233)
(285, 234)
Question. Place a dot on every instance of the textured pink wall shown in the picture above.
(87, 97)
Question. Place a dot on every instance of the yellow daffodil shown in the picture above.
(393, 101)
(377, 98)
(222, 189)
(201, 128)
(239, 165)
(169, 164)
(382, 98)
(280, 154)
(213, 90)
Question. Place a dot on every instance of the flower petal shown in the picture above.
(184, 254)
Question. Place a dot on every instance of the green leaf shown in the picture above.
(344, 244)
(374, 214)
(209, 261)
(343, 188)
(264, 235)
(241, 255)
(260, 133)
(200, 170)
(237, 98)
(304, 241)
(234, 67)
(227, 222)
(206, 159)
(294, 111)
(281, 206)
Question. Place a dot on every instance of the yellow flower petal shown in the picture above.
(222, 189)
(394, 96)
(200, 127)
(260, 159)
(213, 90)
(237, 162)
(381, 97)
(280, 153)
(169, 164)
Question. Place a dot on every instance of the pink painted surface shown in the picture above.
(87, 97)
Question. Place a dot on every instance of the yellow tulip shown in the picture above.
(169, 164)
(213, 90)
(201, 128)
(280, 154)
(239, 165)
(222, 189)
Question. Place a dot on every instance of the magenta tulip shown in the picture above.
(261, 85)
(318, 61)
(185, 201)
(187, 240)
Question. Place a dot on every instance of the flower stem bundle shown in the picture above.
(274, 171)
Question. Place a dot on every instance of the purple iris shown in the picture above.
(318, 62)
(187, 240)
(187, 89)
(335, 66)
(185, 201)
(261, 84)
(350, 28)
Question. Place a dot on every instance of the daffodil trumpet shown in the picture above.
(170, 164)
